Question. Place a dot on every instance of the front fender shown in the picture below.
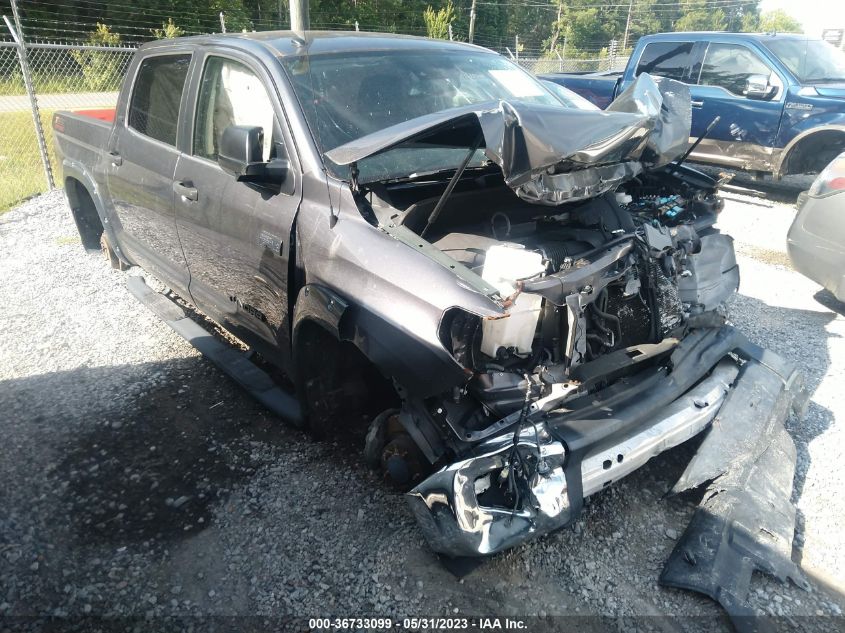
(804, 116)
(320, 305)
(801, 137)
(416, 365)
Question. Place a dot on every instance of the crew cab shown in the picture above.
(526, 299)
(780, 98)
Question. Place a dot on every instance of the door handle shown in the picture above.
(696, 104)
(186, 191)
(116, 159)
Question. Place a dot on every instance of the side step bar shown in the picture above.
(232, 362)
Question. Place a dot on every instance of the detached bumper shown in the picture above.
(612, 434)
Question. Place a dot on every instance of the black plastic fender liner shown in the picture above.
(746, 520)
(231, 361)
(754, 411)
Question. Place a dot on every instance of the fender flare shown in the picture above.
(787, 150)
(74, 170)
(417, 367)
(317, 304)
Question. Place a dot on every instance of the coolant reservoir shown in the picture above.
(503, 266)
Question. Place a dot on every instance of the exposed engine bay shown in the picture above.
(591, 291)
(625, 269)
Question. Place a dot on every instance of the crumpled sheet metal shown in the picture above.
(455, 523)
(550, 154)
(746, 520)
(668, 104)
(555, 189)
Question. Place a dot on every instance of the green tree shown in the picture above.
(168, 30)
(698, 16)
(778, 21)
(437, 22)
(101, 70)
(750, 23)
(103, 36)
(645, 19)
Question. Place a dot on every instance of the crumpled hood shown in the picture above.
(550, 154)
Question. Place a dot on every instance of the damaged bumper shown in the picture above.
(578, 452)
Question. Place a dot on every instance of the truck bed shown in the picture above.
(82, 136)
(598, 88)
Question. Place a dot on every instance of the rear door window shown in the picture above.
(154, 108)
(666, 59)
(729, 66)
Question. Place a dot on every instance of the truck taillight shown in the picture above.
(831, 180)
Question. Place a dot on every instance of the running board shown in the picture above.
(232, 362)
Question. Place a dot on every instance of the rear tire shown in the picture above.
(114, 261)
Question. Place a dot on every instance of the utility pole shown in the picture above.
(557, 26)
(299, 20)
(627, 27)
(472, 21)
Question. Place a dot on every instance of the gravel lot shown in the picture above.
(138, 480)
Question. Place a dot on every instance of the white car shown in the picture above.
(816, 239)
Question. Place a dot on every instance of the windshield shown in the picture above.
(347, 96)
(810, 60)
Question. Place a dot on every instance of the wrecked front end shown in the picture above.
(520, 484)
(605, 341)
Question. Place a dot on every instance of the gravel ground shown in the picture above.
(139, 481)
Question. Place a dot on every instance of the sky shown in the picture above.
(815, 15)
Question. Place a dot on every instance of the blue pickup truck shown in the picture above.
(780, 98)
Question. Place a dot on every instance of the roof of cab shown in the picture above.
(293, 43)
(704, 35)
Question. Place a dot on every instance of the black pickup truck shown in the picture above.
(526, 298)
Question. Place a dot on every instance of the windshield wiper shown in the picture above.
(823, 79)
(434, 173)
(451, 186)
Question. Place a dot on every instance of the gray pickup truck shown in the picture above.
(525, 298)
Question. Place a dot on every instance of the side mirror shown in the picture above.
(241, 154)
(758, 87)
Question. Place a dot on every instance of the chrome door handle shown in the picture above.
(186, 191)
(116, 159)
(696, 104)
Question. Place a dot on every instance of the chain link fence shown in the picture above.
(539, 66)
(21, 169)
(81, 77)
(62, 77)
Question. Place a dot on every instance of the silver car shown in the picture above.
(816, 239)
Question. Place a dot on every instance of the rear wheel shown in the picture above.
(114, 261)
